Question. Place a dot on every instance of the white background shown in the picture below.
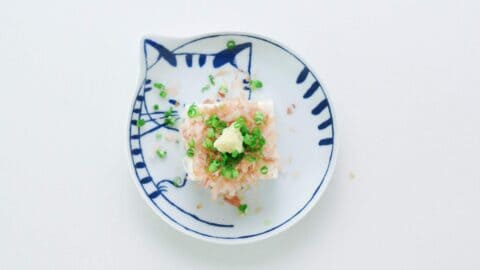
(403, 77)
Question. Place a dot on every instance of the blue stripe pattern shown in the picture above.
(312, 89)
(327, 141)
(139, 165)
(320, 107)
(188, 58)
(325, 124)
(136, 151)
(154, 194)
(202, 59)
(146, 180)
(302, 75)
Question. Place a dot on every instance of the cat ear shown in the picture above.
(230, 56)
(154, 52)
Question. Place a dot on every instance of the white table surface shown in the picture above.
(403, 77)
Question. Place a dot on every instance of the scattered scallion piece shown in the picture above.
(191, 148)
(230, 44)
(264, 170)
(177, 181)
(190, 152)
(215, 122)
(214, 165)
(169, 112)
(234, 173)
(239, 122)
(159, 86)
(163, 94)
(229, 172)
(250, 158)
(191, 143)
(255, 84)
(244, 130)
(223, 89)
(206, 87)
(248, 140)
(140, 122)
(156, 107)
(170, 121)
(207, 143)
(210, 133)
(225, 172)
(161, 153)
(242, 208)
(192, 111)
(256, 132)
(211, 79)
(258, 118)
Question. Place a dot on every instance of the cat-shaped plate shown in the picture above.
(307, 141)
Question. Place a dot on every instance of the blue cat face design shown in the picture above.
(198, 65)
(190, 64)
(223, 57)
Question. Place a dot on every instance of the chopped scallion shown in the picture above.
(242, 208)
(159, 86)
(206, 87)
(240, 122)
(258, 118)
(210, 133)
(192, 111)
(190, 152)
(169, 112)
(163, 94)
(234, 173)
(229, 172)
(255, 84)
(170, 121)
(140, 122)
(223, 89)
(177, 181)
(161, 153)
(214, 165)
(264, 170)
(250, 158)
(211, 79)
(230, 44)
(207, 143)
(191, 143)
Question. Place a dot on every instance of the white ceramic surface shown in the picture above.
(307, 141)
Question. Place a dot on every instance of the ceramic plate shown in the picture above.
(307, 143)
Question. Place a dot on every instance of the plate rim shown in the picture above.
(255, 237)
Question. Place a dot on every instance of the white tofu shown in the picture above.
(267, 106)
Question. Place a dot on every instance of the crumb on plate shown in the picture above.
(290, 109)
